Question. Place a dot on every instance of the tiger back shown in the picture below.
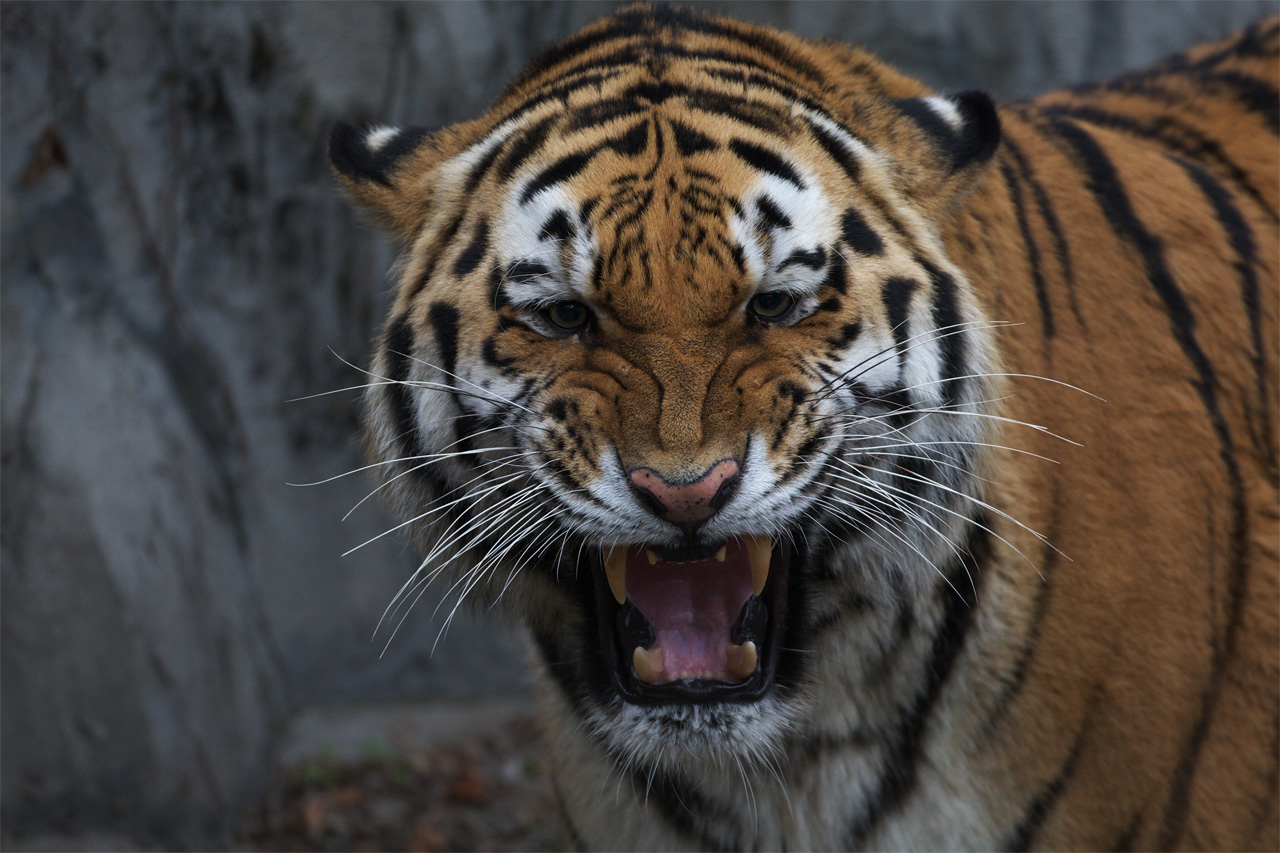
(867, 467)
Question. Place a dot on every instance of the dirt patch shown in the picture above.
(487, 791)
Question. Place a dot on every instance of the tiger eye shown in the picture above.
(771, 305)
(568, 316)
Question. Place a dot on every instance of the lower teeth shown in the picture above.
(648, 664)
(743, 659)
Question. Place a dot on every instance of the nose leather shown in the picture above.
(689, 502)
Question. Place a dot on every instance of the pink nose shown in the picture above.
(687, 503)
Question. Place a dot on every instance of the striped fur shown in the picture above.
(1017, 615)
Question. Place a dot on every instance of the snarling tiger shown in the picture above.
(867, 467)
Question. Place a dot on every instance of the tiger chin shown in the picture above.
(868, 467)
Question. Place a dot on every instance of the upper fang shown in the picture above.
(759, 552)
(615, 570)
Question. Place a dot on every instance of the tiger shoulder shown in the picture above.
(867, 467)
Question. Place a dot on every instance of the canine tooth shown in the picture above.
(653, 558)
(615, 569)
(759, 550)
(750, 657)
(724, 549)
(742, 659)
(648, 663)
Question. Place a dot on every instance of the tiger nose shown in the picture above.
(687, 503)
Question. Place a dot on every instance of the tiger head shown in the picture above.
(678, 363)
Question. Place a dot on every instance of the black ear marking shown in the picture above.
(969, 137)
(369, 154)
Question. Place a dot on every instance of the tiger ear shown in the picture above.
(962, 134)
(381, 168)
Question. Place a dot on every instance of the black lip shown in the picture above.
(701, 690)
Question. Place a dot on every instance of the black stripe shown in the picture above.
(399, 347)
(1254, 94)
(472, 255)
(838, 152)
(524, 146)
(489, 352)
(631, 142)
(1125, 842)
(951, 338)
(444, 324)
(896, 293)
(1013, 685)
(901, 769)
(1180, 137)
(1033, 249)
(521, 271)
(658, 29)
(771, 216)
(1107, 188)
(441, 245)
(836, 279)
(1240, 235)
(765, 160)
(1051, 221)
(684, 807)
(480, 169)
(558, 228)
(859, 236)
(561, 170)
(600, 112)
(814, 259)
(1033, 818)
(848, 333)
(755, 39)
(759, 116)
(690, 141)
(653, 92)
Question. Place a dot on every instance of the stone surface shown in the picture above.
(177, 266)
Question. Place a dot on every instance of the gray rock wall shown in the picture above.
(177, 265)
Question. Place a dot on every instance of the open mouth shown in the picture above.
(692, 625)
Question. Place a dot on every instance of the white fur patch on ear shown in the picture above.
(379, 136)
(946, 110)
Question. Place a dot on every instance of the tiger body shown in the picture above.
(692, 284)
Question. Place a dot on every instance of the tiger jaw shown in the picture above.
(689, 626)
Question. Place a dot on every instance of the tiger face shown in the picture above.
(672, 354)
(692, 369)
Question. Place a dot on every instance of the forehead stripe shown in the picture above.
(558, 228)
(690, 141)
(814, 259)
(837, 152)
(523, 147)
(766, 161)
(558, 172)
(771, 215)
(859, 236)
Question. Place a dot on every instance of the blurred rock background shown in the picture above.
(177, 266)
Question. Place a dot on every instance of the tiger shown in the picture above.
(867, 467)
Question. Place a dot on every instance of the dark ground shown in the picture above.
(487, 791)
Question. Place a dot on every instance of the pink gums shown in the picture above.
(692, 608)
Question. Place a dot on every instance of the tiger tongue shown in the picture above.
(691, 608)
